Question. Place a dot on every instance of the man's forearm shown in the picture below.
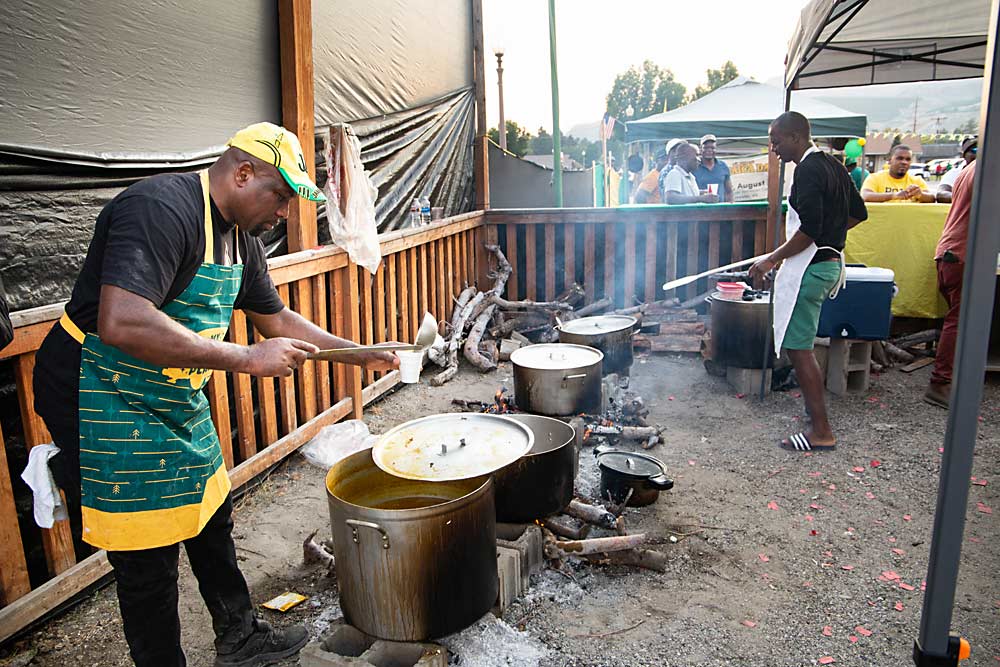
(871, 196)
(926, 197)
(678, 198)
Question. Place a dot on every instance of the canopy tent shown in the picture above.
(862, 42)
(849, 43)
(743, 109)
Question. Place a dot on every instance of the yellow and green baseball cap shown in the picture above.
(277, 146)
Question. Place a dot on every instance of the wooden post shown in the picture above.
(353, 322)
(481, 152)
(13, 569)
(295, 40)
(774, 193)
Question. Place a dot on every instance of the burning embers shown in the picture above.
(623, 420)
(502, 404)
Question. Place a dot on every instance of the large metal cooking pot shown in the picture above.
(557, 379)
(739, 331)
(415, 559)
(611, 334)
(540, 483)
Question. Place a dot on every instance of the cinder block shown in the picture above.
(530, 544)
(747, 380)
(509, 571)
(848, 366)
(343, 645)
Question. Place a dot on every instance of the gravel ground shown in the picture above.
(781, 559)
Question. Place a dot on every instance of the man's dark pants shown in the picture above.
(147, 579)
(949, 275)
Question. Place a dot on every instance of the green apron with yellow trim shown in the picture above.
(150, 462)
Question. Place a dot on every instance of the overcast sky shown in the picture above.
(598, 40)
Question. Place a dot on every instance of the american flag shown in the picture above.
(607, 126)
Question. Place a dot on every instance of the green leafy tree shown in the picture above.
(518, 139)
(968, 127)
(541, 144)
(716, 79)
(649, 89)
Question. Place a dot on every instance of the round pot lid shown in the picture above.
(555, 356)
(598, 324)
(451, 446)
(636, 465)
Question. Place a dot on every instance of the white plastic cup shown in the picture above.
(409, 366)
(713, 188)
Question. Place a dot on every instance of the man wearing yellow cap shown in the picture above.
(119, 382)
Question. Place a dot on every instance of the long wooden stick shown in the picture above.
(687, 280)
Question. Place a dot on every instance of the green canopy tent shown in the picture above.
(742, 110)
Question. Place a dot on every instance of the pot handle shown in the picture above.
(578, 376)
(661, 482)
(355, 524)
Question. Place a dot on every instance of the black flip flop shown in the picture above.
(800, 443)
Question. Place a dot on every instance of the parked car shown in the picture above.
(919, 169)
(938, 167)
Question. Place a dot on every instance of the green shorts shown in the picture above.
(817, 281)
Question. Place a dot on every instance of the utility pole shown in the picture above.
(916, 103)
(498, 52)
(556, 138)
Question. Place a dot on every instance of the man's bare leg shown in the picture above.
(814, 392)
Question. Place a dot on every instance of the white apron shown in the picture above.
(789, 278)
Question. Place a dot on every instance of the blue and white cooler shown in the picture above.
(863, 308)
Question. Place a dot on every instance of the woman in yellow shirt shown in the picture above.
(897, 184)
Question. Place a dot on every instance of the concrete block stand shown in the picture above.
(343, 645)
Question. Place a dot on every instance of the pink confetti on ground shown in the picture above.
(771, 505)
(691, 462)
(889, 575)
(796, 394)
(741, 395)
(815, 473)
(876, 463)
(809, 517)
(749, 624)
(827, 631)
(832, 487)
(670, 398)
(898, 606)
(941, 450)
(892, 489)
(828, 554)
(802, 490)
(979, 482)
(815, 506)
(907, 517)
(983, 508)
(764, 558)
(847, 567)
(907, 587)
(826, 660)
(869, 495)
(813, 533)
(899, 552)
(858, 469)
(923, 585)
(852, 639)
(892, 540)
(807, 584)
(863, 631)
(975, 539)
(873, 399)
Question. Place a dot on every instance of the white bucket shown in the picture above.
(409, 366)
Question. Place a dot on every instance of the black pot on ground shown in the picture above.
(540, 483)
(621, 471)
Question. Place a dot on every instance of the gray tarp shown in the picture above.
(97, 96)
(856, 42)
(743, 109)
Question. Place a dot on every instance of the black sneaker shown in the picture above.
(265, 646)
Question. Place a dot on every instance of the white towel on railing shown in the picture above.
(49, 506)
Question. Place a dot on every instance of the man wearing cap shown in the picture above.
(680, 185)
(713, 174)
(969, 149)
(858, 173)
(118, 383)
(671, 149)
(648, 191)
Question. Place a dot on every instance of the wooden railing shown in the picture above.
(624, 253)
(260, 421)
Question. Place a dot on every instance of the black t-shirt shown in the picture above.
(149, 240)
(824, 196)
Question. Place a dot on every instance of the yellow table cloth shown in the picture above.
(903, 237)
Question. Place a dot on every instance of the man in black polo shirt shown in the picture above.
(822, 206)
(119, 384)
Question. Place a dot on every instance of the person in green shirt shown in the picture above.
(858, 174)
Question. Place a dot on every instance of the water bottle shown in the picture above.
(425, 210)
(415, 213)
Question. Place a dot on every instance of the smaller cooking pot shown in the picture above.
(645, 475)
(611, 334)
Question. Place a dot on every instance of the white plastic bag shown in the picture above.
(338, 441)
(350, 208)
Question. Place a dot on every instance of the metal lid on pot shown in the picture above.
(555, 356)
(451, 446)
(632, 464)
(598, 324)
